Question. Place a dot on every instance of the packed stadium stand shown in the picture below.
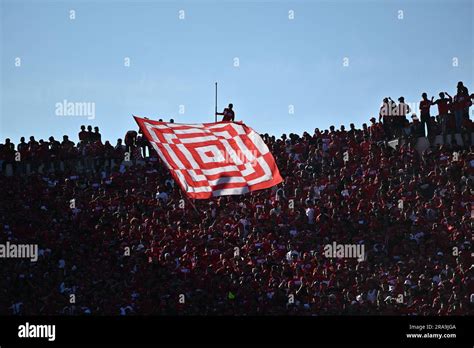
(118, 234)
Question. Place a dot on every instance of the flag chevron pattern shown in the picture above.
(213, 159)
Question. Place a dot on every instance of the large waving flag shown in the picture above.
(213, 159)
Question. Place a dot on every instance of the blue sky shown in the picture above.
(283, 62)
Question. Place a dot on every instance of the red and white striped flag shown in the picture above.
(213, 159)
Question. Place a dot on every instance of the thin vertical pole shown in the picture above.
(215, 114)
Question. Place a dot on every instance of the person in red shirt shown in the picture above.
(228, 114)
(444, 105)
(376, 130)
(425, 105)
(365, 145)
(461, 104)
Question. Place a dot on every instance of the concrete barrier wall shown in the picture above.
(422, 143)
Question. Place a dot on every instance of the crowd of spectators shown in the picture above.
(452, 118)
(124, 240)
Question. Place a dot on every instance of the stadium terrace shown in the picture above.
(133, 243)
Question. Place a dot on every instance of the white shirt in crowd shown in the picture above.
(310, 215)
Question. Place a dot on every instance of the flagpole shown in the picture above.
(215, 114)
(191, 203)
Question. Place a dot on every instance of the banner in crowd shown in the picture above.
(213, 159)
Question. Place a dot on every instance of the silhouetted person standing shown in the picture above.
(83, 134)
(425, 105)
(228, 114)
(90, 134)
(97, 135)
(402, 110)
(386, 116)
(444, 104)
(461, 104)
